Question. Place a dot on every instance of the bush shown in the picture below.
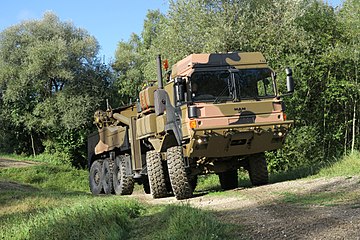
(302, 149)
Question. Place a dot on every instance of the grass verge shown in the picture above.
(349, 165)
(333, 198)
(330, 195)
(53, 202)
(177, 222)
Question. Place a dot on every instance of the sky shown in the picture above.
(109, 21)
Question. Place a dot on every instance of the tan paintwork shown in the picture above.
(146, 97)
(129, 111)
(223, 130)
(235, 129)
(185, 122)
(135, 146)
(238, 60)
(146, 126)
(237, 140)
(169, 88)
(232, 113)
(110, 138)
(112, 131)
(160, 124)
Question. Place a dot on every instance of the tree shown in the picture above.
(347, 51)
(51, 82)
(128, 65)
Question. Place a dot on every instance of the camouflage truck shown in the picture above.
(215, 114)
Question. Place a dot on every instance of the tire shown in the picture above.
(123, 185)
(156, 174)
(229, 180)
(257, 169)
(95, 176)
(179, 180)
(107, 176)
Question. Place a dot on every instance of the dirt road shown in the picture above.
(6, 163)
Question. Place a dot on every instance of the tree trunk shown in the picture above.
(354, 128)
(32, 144)
(346, 132)
(355, 108)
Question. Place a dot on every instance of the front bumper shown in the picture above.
(237, 140)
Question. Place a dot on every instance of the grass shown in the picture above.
(50, 201)
(321, 198)
(349, 165)
(177, 222)
(83, 219)
(53, 202)
(51, 177)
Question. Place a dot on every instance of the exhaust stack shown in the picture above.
(159, 72)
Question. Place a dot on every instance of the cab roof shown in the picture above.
(238, 60)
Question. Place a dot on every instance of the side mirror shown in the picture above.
(289, 80)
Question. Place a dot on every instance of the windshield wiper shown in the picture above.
(220, 94)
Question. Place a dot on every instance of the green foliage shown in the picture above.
(184, 222)
(84, 219)
(128, 65)
(302, 149)
(48, 176)
(348, 166)
(50, 83)
(52, 202)
(320, 198)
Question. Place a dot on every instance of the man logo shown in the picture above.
(240, 109)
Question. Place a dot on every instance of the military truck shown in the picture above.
(215, 114)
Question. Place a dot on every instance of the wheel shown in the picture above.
(156, 174)
(123, 185)
(107, 176)
(229, 180)
(179, 180)
(96, 186)
(257, 169)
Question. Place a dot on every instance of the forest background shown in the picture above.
(52, 80)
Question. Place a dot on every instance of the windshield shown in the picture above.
(254, 83)
(210, 85)
(232, 85)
